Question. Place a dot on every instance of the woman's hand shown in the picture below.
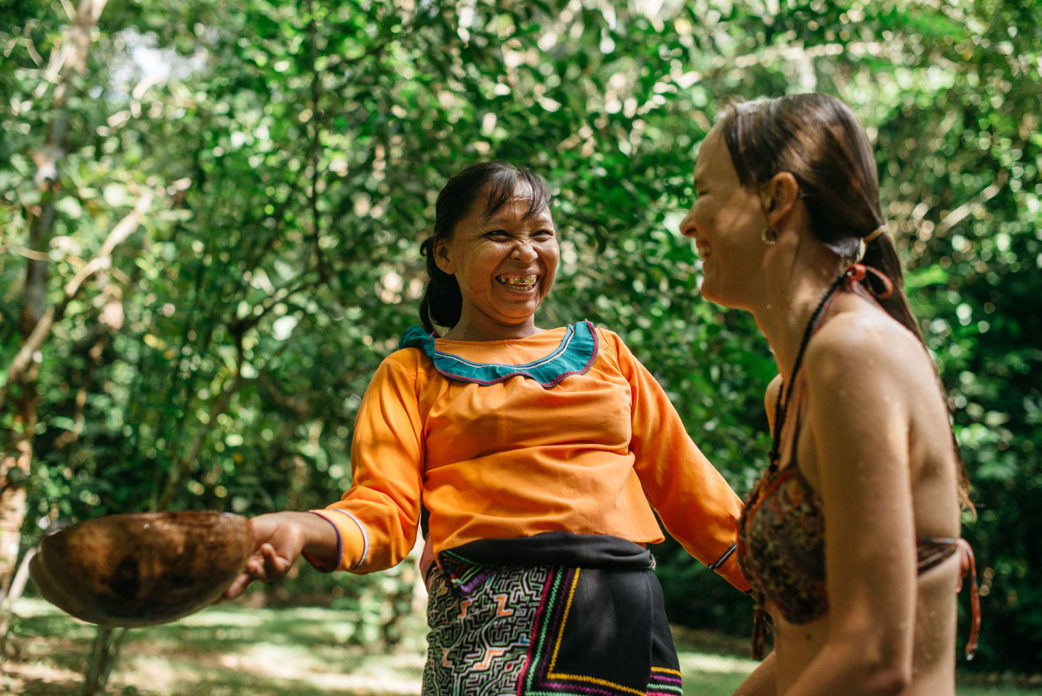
(278, 539)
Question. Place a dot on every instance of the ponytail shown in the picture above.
(442, 302)
(881, 254)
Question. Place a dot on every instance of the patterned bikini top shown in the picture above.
(781, 551)
(781, 545)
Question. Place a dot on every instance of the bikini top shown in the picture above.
(781, 550)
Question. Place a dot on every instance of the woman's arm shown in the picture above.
(761, 681)
(373, 526)
(694, 501)
(858, 384)
(377, 518)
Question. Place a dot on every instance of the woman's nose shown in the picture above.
(523, 249)
(687, 225)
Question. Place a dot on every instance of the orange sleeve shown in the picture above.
(696, 505)
(376, 519)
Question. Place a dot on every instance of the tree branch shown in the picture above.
(101, 260)
(957, 215)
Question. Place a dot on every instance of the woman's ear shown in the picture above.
(779, 196)
(441, 256)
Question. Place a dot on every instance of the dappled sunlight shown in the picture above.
(376, 683)
(275, 653)
(289, 667)
(702, 662)
(216, 617)
(705, 673)
(156, 673)
(16, 674)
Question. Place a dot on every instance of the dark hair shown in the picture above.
(442, 302)
(819, 141)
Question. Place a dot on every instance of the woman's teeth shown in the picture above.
(517, 282)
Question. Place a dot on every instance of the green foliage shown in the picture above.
(295, 151)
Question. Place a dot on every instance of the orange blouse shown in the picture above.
(592, 454)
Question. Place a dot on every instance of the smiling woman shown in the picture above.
(789, 224)
(502, 253)
(532, 460)
(728, 219)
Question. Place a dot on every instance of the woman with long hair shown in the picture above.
(851, 538)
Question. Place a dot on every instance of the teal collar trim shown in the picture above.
(574, 356)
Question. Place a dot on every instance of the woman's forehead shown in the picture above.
(712, 157)
(519, 206)
(522, 197)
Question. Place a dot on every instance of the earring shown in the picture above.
(769, 236)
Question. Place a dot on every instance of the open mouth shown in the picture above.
(525, 282)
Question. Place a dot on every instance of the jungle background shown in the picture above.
(211, 211)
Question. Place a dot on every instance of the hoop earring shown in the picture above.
(769, 236)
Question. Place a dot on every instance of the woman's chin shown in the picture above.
(707, 291)
(710, 292)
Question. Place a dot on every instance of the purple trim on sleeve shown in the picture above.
(365, 537)
(317, 562)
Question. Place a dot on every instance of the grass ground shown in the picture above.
(232, 651)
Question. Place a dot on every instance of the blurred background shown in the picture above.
(211, 212)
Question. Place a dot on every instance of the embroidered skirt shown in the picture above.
(547, 630)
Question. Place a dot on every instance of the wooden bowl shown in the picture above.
(142, 569)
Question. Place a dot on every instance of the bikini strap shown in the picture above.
(967, 565)
(854, 279)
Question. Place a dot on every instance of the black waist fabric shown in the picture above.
(555, 549)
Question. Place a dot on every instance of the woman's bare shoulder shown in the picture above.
(865, 340)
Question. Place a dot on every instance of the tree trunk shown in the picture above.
(17, 587)
(17, 443)
(102, 659)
